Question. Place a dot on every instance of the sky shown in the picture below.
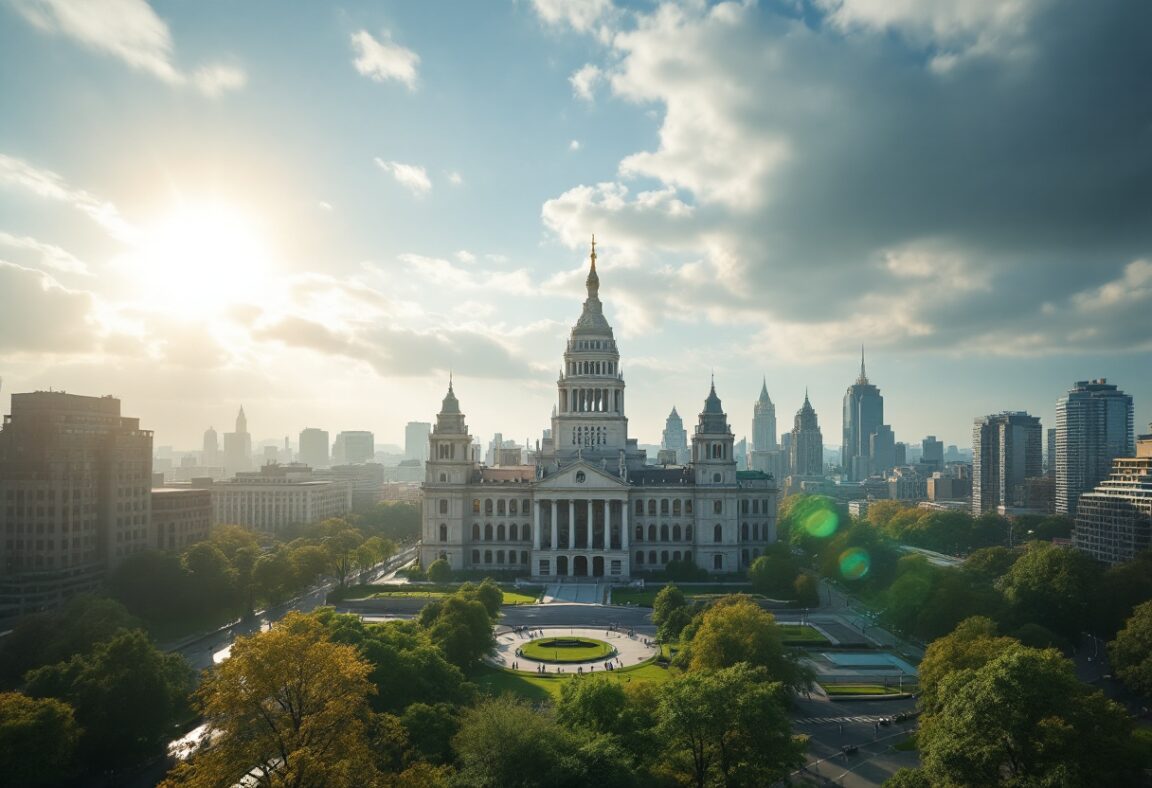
(321, 210)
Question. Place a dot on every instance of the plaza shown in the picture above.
(632, 648)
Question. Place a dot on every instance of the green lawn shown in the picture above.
(519, 598)
(801, 633)
(536, 687)
(512, 594)
(645, 597)
(566, 649)
(868, 689)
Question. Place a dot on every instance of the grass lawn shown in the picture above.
(519, 598)
(868, 689)
(801, 633)
(536, 687)
(512, 594)
(566, 649)
(645, 597)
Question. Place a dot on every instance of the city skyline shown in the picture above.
(196, 219)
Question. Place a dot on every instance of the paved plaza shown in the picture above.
(631, 649)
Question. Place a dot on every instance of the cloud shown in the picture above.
(574, 145)
(412, 177)
(39, 315)
(130, 31)
(51, 186)
(382, 60)
(443, 273)
(584, 81)
(455, 178)
(829, 182)
(581, 15)
(464, 256)
(49, 255)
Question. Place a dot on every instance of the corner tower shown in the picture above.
(712, 444)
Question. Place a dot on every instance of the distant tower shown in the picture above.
(211, 452)
(238, 446)
(314, 447)
(764, 421)
(713, 444)
(241, 422)
(1093, 427)
(1006, 450)
(807, 442)
(863, 415)
(675, 437)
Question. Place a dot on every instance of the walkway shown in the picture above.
(630, 649)
(584, 593)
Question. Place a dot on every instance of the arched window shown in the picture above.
(639, 557)
(500, 535)
(443, 477)
(717, 533)
(499, 556)
(663, 556)
(639, 507)
(488, 532)
(524, 557)
(652, 533)
(744, 506)
(688, 533)
(676, 506)
(526, 532)
(717, 478)
(639, 533)
(513, 533)
(443, 506)
(475, 532)
(718, 562)
(475, 556)
(688, 556)
(475, 506)
(664, 533)
(487, 506)
(651, 556)
(487, 556)
(500, 506)
(688, 506)
(443, 532)
(676, 533)
(743, 532)
(663, 506)
(744, 557)
(652, 506)
(676, 555)
(717, 507)
(755, 532)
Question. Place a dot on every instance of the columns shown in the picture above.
(555, 526)
(535, 525)
(624, 525)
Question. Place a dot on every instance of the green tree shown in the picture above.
(505, 742)
(880, 513)
(972, 644)
(1131, 651)
(126, 695)
(670, 613)
(594, 704)
(439, 571)
(37, 740)
(461, 627)
(806, 589)
(396, 521)
(908, 778)
(775, 572)
(735, 629)
(290, 703)
(727, 727)
(211, 579)
(1021, 719)
(273, 576)
(152, 585)
(990, 563)
(429, 731)
(1051, 585)
(488, 594)
(309, 563)
(1122, 587)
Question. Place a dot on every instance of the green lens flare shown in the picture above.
(820, 519)
(855, 563)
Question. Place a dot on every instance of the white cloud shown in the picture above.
(455, 178)
(50, 255)
(585, 80)
(412, 177)
(51, 186)
(464, 256)
(581, 15)
(326, 206)
(574, 145)
(382, 60)
(129, 30)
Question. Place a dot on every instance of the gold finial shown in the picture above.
(593, 251)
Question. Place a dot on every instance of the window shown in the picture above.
(744, 557)
(513, 506)
(663, 556)
(756, 506)
(526, 533)
(717, 478)
(475, 532)
(488, 532)
(580, 477)
(755, 532)
(688, 533)
(499, 556)
(639, 533)
(717, 507)
(652, 507)
(718, 562)
(744, 532)
(475, 556)
(676, 506)
(500, 535)
(500, 506)
(443, 506)
(744, 506)
(475, 506)
(676, 534)
(639, 557)
(652, 533)
(639, 507)
(664, 533)
(487, 556)
(688, 507)
(487, 506)
(443, 532)
(443, 477)
(663, 506)
(651, 556)
(688, 556)
(513, 533)
(717, 533)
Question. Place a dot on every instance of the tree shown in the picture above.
(1131, 651)
(488, 593)
(461, 627)
(309, 562)
(990, 563)
(37, 740)
(430, 730)
(1121, 589)
(1051, 585)
(397, 521)
(210, 577)
(126, 695)
(908, 778)
(1023, 718)
(775, 572)
(273, 576)
(807, 590)
(880, 513)
(670, 613)
(728, 727)
(594, 704)
(151, 584)
(736, 629)
(439, 571)
(289, 707)
(505, 742)
(972, 644)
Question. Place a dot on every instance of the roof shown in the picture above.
(655, 476)
(517, 473)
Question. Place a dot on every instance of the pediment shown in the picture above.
(581, 476)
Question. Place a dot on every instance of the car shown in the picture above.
(849, 749)
(885, 721)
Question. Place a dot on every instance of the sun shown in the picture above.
(201, 257)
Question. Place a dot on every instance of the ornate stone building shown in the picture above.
(591, 506)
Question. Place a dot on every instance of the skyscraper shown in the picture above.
(1093, 427)
(211, 451)
(314, 447)
(807, 442)
(353, 446)
(1114, 521)
(932, 452)
(1006, 450)
(238, 446)
(75, 496)
(863, 415)
(675, 437)
(764, 421)
(416, 440)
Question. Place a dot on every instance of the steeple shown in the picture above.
(450, 405)
(863, 379)
(241, 421)
(593, 280)
(764, 398)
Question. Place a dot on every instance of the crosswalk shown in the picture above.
(861, 720)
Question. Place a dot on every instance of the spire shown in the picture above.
(764, 398)
(863, 379)
(450, 404)
(593, 280)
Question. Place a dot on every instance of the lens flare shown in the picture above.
(855, 563)
(818, 518)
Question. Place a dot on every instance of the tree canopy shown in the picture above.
(1131, 651)
(38, 738)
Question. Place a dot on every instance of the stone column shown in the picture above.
(535, 524)
(571, 524)
(555, 524)
(624, 525)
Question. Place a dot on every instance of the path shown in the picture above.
(630, 649)
(583, 593)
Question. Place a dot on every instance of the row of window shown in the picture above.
(501, 557)
(673, 506)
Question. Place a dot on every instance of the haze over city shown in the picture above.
(320, 212)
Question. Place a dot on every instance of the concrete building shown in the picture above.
(1114, 521)
(314, 448)
(863, 416)
(907, 484)
(181, 517)
(75, 496)
(1093, 427)
(276, 497)
(366, 481)
(352, 447)
(210, 453)
(932, 452)
(1006, 450)
(416, 440)
(675, 438)
(591, 506)
(807, 442)
(238, 446)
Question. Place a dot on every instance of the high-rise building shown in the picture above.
(807, 442)
(238, 446)
(932, 452)
(75, 496)
(1114, 521)
(1006, 450)
(882, 447)
(764, 421)
(353, 446)
(1050, 454)
(314, 447)
(181, 517)
(210, 455)
(863, 415)
(1093, 427)
(675, 437)
(416, 440)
